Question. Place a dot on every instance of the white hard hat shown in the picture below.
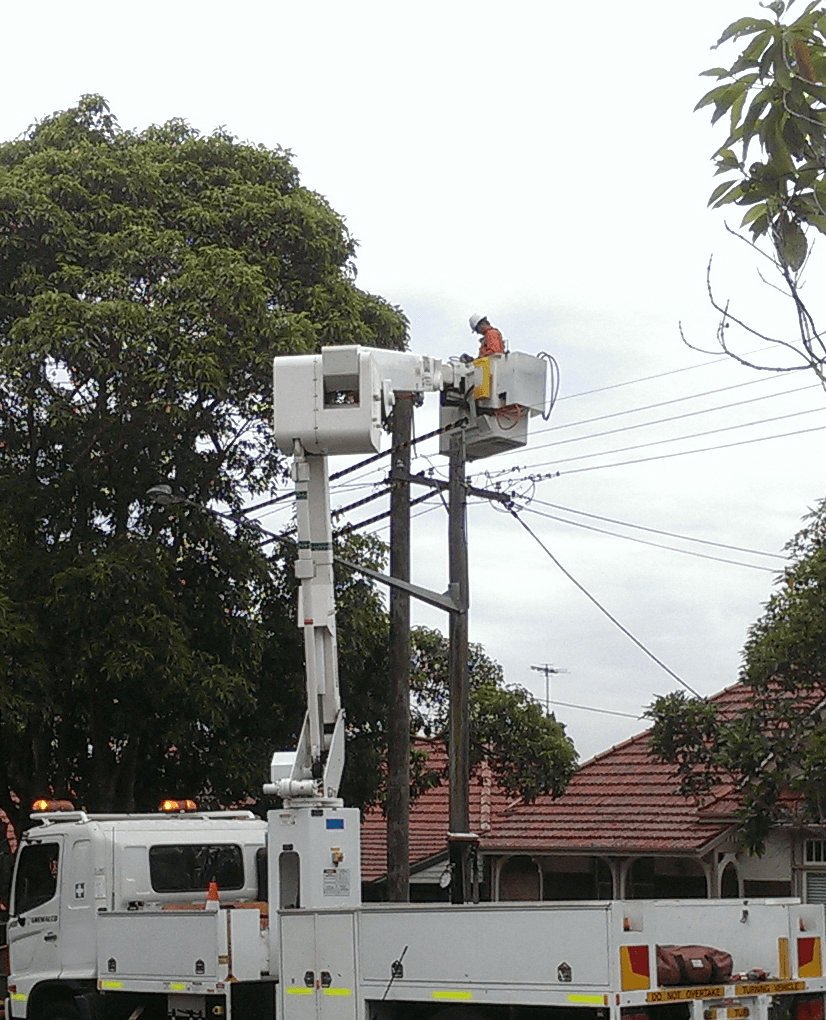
(475, 319)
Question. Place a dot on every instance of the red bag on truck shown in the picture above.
(692, 965)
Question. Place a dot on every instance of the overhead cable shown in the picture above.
(590, 708)
(680, 417)
(681, 453)
(658, 531)
(660, 375)
(659, 403)
(648, 542)
(602, 608)
(692, 435)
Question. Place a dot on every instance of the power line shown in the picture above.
(658, 531)
(380, 456)
(659, 375)
(602, 608)
(680, 417)
(655, 422)
(366, 462)
(430, 435)
(645, 541)
(693, 435)
(684, 453)
(602, 711)
(659, 403)
(536, 478)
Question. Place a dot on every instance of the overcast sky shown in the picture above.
(538, 163)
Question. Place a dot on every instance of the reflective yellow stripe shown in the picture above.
(451, 994)
(682, 994)
(17, 997)
(337, 991)
(300, 991)
(589, 1000)
(783, 969)
(110, 984)
(177, 986)
(485, 387)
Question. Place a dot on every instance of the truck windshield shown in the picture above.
(190, 868)
(36, 880)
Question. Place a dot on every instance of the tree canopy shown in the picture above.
(773, 160)
(146, 281)
(775, 750)
(147, 278)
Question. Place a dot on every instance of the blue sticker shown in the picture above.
(335, 823)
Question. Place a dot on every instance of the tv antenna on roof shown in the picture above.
(548, 669)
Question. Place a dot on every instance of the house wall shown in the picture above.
(772, 873)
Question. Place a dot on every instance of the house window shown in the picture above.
(520, 880)
(816, 886)
(815, 851)
(814, 855)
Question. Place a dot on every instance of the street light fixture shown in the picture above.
(162, 495)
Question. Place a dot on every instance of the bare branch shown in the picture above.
(727, 317)
(694, 347)
(810, 348)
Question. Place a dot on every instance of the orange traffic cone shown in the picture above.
(212, 896)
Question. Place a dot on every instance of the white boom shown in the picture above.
(338, 402)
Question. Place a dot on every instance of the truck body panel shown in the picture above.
(104, 908)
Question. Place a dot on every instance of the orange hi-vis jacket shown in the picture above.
(492, 342)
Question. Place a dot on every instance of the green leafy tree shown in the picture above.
(775, 750)
(773, 161)
(146, 281)
(528, 751)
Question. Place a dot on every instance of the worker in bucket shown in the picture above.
(492, 342)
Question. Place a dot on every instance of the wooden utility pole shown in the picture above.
(398, 723)
(458, 673)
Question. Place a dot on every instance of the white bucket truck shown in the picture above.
(189, 914)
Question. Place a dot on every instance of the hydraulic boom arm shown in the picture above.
(338, 402)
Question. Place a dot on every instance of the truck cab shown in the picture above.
(74, 870)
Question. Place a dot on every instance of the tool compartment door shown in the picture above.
(185, 945)
(492, 947)
(318, 965)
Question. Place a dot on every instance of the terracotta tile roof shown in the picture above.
(622, 801)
